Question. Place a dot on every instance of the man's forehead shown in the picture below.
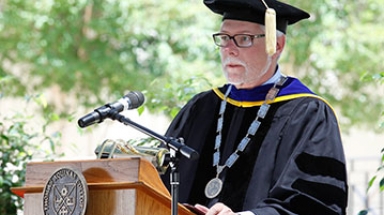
(246, 26)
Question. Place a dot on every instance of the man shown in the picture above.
(267, 144)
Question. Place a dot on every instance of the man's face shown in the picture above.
(245, 67)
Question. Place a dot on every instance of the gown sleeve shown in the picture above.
(307, 165)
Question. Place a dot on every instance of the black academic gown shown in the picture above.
(293, 165)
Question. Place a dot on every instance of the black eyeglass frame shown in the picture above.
(233, 37)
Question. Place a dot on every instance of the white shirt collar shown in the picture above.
(274, 78)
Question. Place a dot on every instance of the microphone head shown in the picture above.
(135, 99)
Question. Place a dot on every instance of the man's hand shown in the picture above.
(216, 209)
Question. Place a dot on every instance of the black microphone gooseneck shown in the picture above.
(132, 100)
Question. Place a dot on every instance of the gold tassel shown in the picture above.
(270, 31)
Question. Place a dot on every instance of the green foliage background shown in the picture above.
(20, 143)
(94, 49)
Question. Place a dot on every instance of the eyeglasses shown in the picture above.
(241, 40)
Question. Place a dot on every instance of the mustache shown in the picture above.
(230, 60)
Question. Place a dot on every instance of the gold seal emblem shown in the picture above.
(65, 193)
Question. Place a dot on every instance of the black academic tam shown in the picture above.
(254, 11)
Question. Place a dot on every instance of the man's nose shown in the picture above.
(231, 47)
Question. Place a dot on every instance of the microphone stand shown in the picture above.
(174, 181)
(176, 147)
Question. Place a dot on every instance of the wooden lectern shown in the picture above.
(120, 186)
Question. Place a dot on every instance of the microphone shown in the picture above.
(132, 100)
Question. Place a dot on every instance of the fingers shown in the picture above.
(220, 209)
(202, 208)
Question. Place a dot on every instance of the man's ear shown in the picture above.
(280, 44)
